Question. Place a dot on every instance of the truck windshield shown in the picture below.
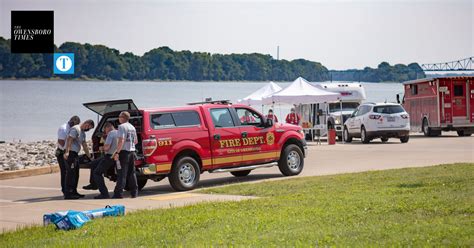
(388, 109)
(346, 106)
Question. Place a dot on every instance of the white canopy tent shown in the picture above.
(301, 92)
(257, 96)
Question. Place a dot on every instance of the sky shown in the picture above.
(339, 34)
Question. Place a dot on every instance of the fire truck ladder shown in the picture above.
(466, 64)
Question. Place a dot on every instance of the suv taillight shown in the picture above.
(374, 117)
(149, 146)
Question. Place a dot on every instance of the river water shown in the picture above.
(33, 110)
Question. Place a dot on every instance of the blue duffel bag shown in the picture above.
(72, 220)
(50, 218)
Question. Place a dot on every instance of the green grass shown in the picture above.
(430, 206)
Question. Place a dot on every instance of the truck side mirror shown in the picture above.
(268, 122)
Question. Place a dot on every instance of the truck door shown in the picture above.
(459, 102)
(224, 138)
(258, 142)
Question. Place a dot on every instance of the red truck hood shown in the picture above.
(287, 127)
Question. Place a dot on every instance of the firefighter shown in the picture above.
(76, 138)
(63, 131)
(293, 117)
(92, 184)
(272, 116)
(127, 138)
(110, 148)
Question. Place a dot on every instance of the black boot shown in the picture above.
(91, 187)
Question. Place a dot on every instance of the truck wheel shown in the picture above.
(240, 173)
(425, 128)
(384, 139)
(404, 139)
(363, 136)
(427, 131)
(291, 162)
(339, 138)
(184, 174)
(347, 137)
(462, 133)
(141, 183)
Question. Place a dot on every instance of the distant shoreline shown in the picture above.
(167, 81)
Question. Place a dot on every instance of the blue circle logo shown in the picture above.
(63, 63)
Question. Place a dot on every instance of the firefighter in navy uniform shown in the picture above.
(127, 139)
(63, 131)
(76, 138)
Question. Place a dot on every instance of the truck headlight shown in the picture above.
(337, 121)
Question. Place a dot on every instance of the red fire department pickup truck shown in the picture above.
(182, 142)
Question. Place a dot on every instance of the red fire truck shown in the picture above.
(182, 142)
(440, 104)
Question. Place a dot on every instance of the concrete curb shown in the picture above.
(29, 172)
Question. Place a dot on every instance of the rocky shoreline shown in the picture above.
(19, 155)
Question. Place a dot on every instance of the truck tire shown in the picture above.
(141, 182)
(462, 133)
(404, 139)
(363, 136)
(240, 173)
(184, 174)
(347, 137)
(291, 161)
(427, 131)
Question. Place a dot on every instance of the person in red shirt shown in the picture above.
(247, 118)
(271, 116)
(293, 117)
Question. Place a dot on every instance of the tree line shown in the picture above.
(383, 73)
(104, 63)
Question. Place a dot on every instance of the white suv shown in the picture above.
(378, 120)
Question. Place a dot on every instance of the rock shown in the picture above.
(18, 166)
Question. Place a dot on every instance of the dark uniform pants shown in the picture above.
(62, 168)
(93, 166)
(126, 173)
(72, 173)
(98, 173)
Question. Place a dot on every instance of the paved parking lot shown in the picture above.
(23, 201)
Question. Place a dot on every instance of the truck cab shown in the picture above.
(215, 136)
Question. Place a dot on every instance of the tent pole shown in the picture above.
(342, 120)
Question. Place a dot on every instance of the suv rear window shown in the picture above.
(388, 109)
(176, 119)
